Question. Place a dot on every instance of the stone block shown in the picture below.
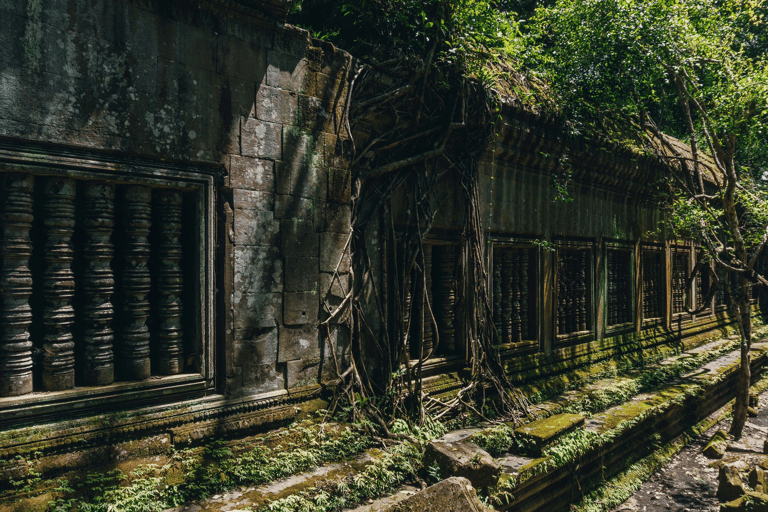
(241, 59)
(337, 337)
(302, 373)
(292, 41)
(463, 459)
(257, 310)
(301, 274)
(757, 478)
(258, 269)
(750, 502)
(716, 446)
(729, 484)
(262, 379)
(252, 173)
(314, 115)
(226, 127)
(334, 290)
(339, 186)
(298, 343)
(338, 218)
(334, 250)
(234, 96)
(254, 347)
(299, 238)
(454, 494)
(260, 139)
(253, 200)
(256, 227)
(288, 72)
(293, 207)
(302, 179)
(300, 308)
(540, 433)
(194, 46)
(276, 105)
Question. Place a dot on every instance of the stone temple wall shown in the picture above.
(179, 86)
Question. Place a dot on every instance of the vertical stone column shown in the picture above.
(98, 283)
(136, 283)
(507, 308)
(58, 284)
(16, 284)
(497, 295)
(582, 290)
(524, 293)
(169, 334)
(446, 299)
(562, 299)
(517, 331)
(427, 340)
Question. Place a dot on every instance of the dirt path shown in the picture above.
(688, 483)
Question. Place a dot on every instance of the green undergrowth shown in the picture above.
(398, 464)
(197, 474)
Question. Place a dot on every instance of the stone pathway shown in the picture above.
(688, 483)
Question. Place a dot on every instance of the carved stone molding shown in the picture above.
(58, 284)
(16, 202)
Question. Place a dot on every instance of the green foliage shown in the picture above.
(192, 475)
(496, 440)
(467, 33)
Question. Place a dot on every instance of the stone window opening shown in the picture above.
(703, 286)
(574, 292)
(653, 283)
(514, 300)
(619, 262)
(440, 266)
(680, 273)
(100, 281)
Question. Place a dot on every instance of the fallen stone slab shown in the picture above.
(454, 494)
(750, 502)
(729, 484)
(464, 460)
(716, 446)
(535, 436)
(757, 479)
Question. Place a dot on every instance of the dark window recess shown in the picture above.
(444, 296)
(513, 301)
(703, 283)
(424, 328)
(679, 276)
(573, 300)
(653, 272)
(721, 295)
(619, 287)
(92, 281)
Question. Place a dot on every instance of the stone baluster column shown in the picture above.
(447, 299)
(497, 295)
(427, 340)
(58, 284)
(507, 277)
(582, 290)
(16, 216)
(136, 284)
(517, 332)
(98, 283)
(524, 293)
(169, 333)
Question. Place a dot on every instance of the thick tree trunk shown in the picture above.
(742, 390)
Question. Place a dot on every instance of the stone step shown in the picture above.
(621, 434)
(539, 434)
